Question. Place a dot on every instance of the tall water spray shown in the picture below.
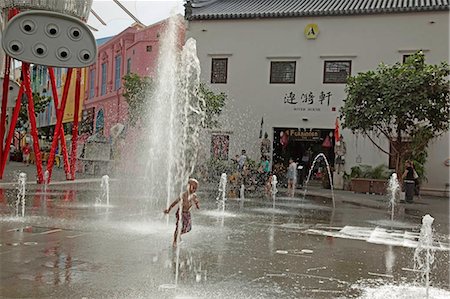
(221, 198)
(242, 192)
(46, 177)
(424, 253)
(21, 190)
(329, 176)
(175, 115)
(105, 188)
(175, 118)
(274, 189)
(394, 188)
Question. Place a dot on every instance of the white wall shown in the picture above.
(367, 40)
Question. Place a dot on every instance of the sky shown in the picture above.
(147, 11)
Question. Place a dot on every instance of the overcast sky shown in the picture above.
(147, 11)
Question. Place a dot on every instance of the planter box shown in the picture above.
(369, 186)
(378, 186)
(361, 185)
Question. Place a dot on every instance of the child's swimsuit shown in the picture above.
(186, 220)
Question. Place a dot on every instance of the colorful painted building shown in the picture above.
(134, 50)
(40, 83)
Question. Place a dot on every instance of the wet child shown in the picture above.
(292, 177)
(188, 198)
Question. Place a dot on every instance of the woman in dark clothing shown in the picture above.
(409, 177)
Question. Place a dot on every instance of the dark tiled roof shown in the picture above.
(243, 9)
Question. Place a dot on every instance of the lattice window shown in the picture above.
(128, 65)
(220, 144)
(282, 72)
(92, 83)
(103, 90)
(337, 71)
(406, 56)
(219, 70)
(117, 78)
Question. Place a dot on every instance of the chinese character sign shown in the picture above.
(307, 99)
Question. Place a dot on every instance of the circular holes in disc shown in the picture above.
(75, 33)
(63, 54)
(28, 26)
(85, 56)
(16, 47)
(52, 30)
(40, 50)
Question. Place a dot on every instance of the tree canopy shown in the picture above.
(40, 103)
(136, 91)
(408, 103)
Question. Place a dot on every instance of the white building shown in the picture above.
(284, 63)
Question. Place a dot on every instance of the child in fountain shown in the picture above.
(189, 197)
(292, 177)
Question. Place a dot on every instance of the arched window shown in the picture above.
(100, 121)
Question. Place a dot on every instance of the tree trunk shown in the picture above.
(399, 157)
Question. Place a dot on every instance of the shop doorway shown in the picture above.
(302, 145)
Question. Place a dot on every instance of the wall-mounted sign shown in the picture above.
(298, 135)
(308, 101)
(311, 31)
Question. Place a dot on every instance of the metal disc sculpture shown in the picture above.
(51, 33)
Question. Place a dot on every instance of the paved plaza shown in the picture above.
(70, 244)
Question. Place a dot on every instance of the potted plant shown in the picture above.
(366, 179)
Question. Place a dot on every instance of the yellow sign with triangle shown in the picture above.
(311, 31)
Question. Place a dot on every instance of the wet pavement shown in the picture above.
(67, 246)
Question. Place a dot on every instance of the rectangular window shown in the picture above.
(103, 92)
(149, 48)
(92, 83)
(336, 71)
(405, 57)
(219, 70)
(58, 77)
(117, 82)
(46, 76)
(219, 146)
(87, 121)
(128, 65)
(282, 72)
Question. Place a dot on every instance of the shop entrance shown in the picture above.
(302, 145)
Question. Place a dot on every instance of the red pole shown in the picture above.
(32, 118)
(12, 127)
(4, 103)
(63, 138)
(59, 119)
(73, 158)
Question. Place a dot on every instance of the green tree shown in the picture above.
(214, 104)
(137, 94)
(408, 103)
(40, 103)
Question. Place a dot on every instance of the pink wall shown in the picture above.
(132, 43)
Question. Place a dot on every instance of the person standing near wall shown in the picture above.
(26, 154)
(409, 181)
(340, 150)
(265, 146)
